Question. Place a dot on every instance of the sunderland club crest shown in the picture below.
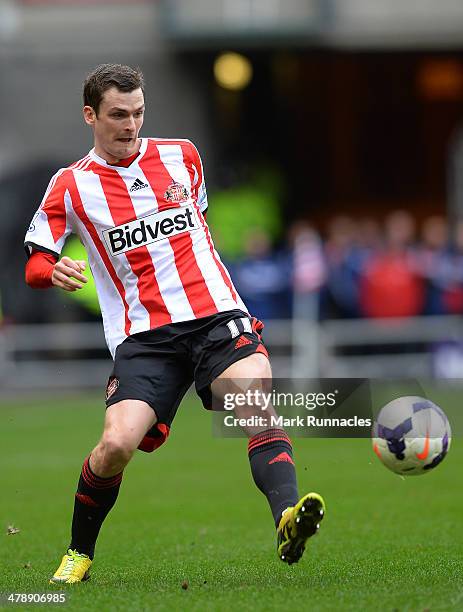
(176, 192)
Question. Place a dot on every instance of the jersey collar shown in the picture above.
(102, 162)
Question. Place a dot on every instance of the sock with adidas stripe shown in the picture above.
(95, 496)
(272, 466)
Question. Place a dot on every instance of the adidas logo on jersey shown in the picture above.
(152, 228)
(138, 184)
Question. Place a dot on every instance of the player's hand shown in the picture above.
(67, 274)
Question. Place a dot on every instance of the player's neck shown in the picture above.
(114, 161)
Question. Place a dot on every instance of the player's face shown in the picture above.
(116, 127)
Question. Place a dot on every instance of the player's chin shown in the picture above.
(126, 147)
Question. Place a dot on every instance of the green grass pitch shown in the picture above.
(189, 513)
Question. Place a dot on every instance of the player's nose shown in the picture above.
(129, 124)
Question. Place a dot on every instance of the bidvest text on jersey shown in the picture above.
(151, 228)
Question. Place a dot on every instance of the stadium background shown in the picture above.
(334, 172)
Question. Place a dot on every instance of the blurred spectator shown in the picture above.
(344, 260)
(400, 231)
(434, 263)
(452, 298)
(453, 295)
(390, 285)
(263, 277)
(309, 271)
(368, 236)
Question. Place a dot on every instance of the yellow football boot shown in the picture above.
(74, 568)
(297, 524)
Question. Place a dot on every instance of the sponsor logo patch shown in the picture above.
(176, 192)
(113, 385)
(147, 230)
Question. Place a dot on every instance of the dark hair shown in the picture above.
(105, 76)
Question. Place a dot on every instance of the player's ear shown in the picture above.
(89, 115)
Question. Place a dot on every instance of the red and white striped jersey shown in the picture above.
(148, 243)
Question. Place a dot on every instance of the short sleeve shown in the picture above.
(199, 184)
(50, 226)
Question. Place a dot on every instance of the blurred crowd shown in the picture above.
(352, 268)
(356, 268)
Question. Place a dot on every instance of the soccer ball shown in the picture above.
(411, 435)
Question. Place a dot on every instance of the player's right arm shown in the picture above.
(67, 274)
(45, 239)
(43, 271)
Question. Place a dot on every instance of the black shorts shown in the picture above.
(158, 366)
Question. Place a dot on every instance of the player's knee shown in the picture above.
(263, 367)
(115, 449)
(253, 366)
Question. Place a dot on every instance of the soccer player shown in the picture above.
(171, 314)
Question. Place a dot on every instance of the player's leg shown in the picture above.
(269, 449)
(149, 379)
(126, 423)
(271, 459)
